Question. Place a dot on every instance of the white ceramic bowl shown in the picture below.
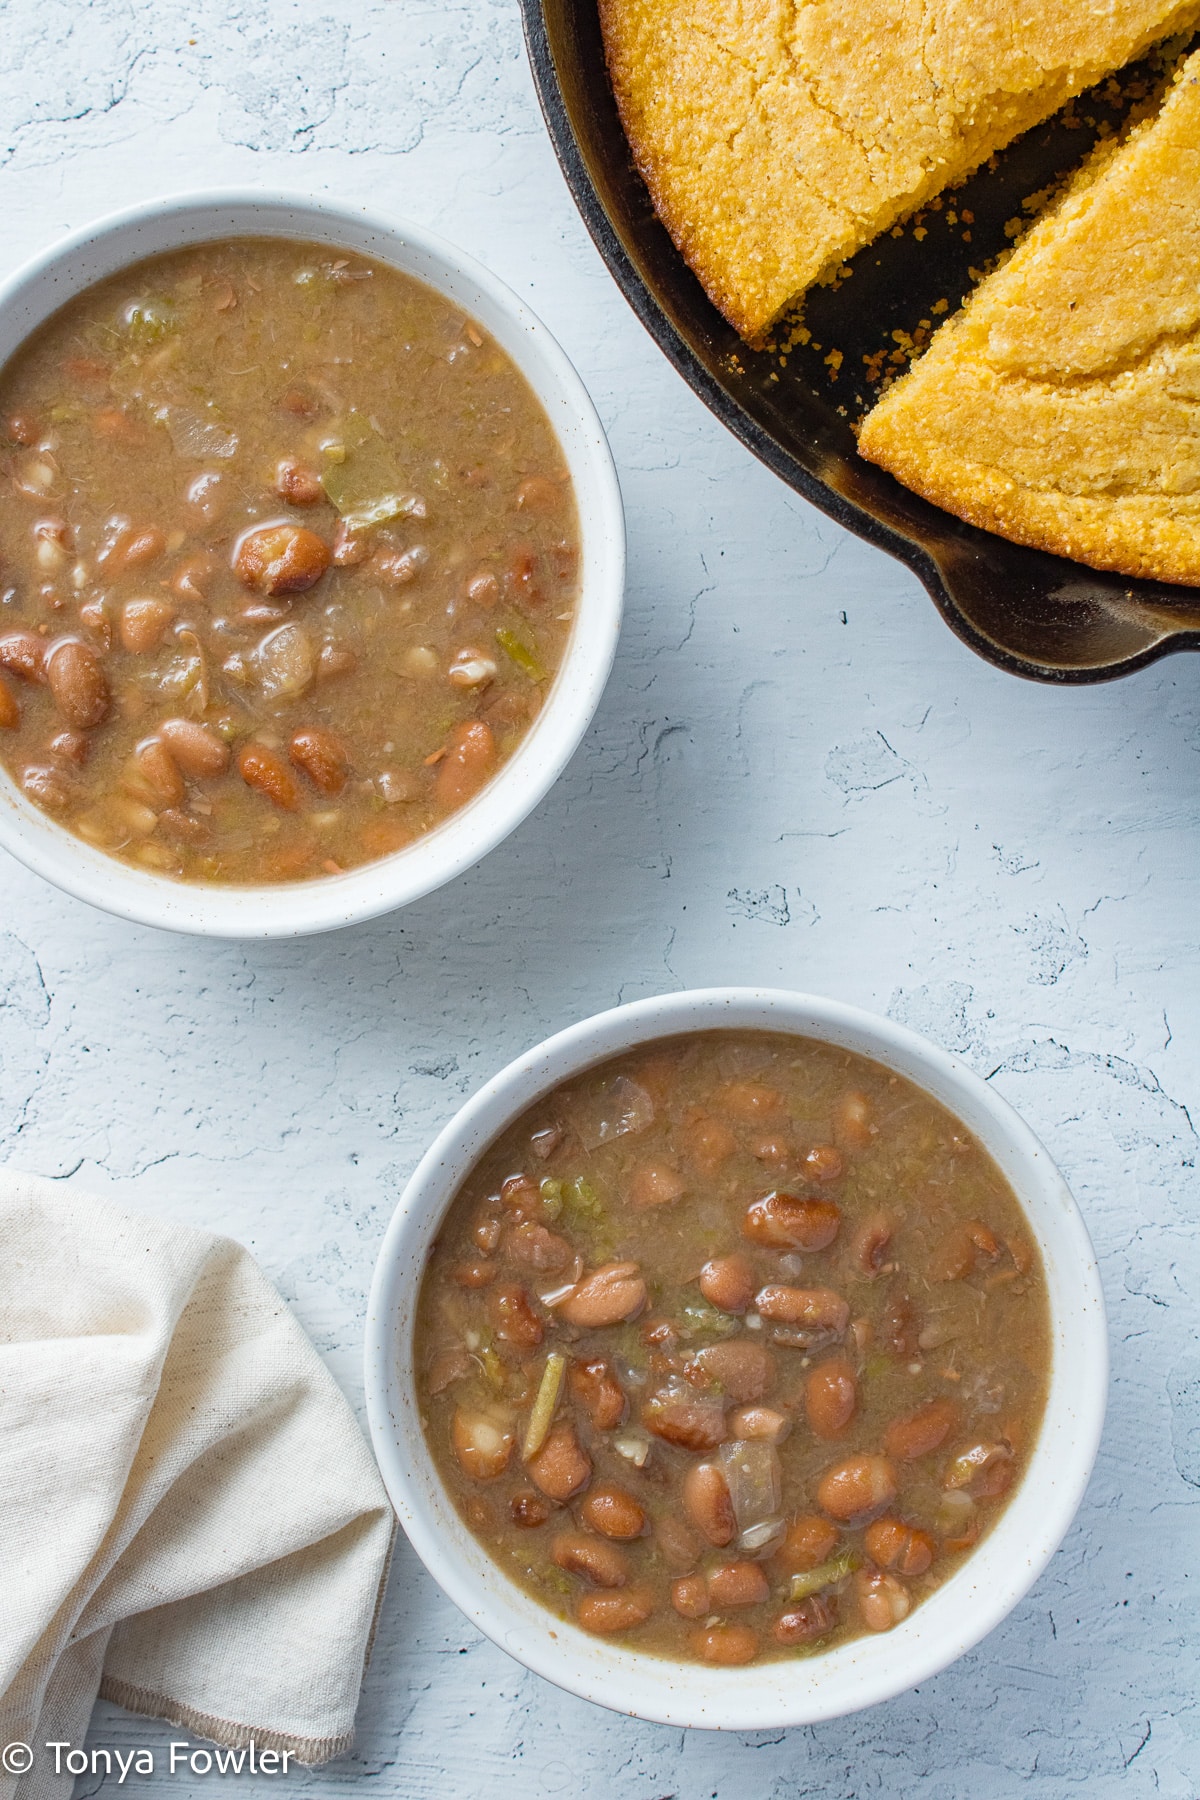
(774, 1694)
(292, 909)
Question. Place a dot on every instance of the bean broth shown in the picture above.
(733, 1347)
(289, 560)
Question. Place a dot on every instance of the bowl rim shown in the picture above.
(292, 909)
(861, 1673)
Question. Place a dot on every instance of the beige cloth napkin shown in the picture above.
(190, 1521)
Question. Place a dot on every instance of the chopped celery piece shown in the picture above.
(582, 1200)
(552, 1197)
(813, 1580)
(493, 1368)
(698, 1319)
(366, 485)
(520, 653)
(542, 1416)
(149, 321)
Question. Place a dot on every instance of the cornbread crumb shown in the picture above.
(1061, 407)
(777, 137)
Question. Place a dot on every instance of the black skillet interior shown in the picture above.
(1035, 615)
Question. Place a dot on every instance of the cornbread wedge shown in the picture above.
(1061, 407)
(777, 137)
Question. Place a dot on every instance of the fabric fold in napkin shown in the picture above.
(191, 1523)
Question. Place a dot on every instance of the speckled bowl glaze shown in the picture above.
(293, 909)
(794, 1691)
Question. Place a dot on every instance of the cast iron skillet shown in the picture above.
(1036, 615)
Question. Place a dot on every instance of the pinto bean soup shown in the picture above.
(733, 1347)
(288, 558)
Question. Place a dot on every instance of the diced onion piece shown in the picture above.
(633, 1447)
(542, 1416)
(757, 1537)
(556, 1296)
(285, 662)
(964, 1468)
(955, 1512)
(752, 1471)
(621, 1111)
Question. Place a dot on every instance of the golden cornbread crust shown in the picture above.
(1061, 407)
(777, 137)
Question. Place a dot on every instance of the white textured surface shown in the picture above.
(797, 776)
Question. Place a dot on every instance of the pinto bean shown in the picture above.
(752, 1101)
(560, 1468)
(538, 1248)
(200, 753)
(192, 578)
(478, 1273)
(689, 1596)
(803, 1306)
(296, 484)
(599, 1562)
(349, 547)
(830, 1397)
(824, 1162)
(77, 684)
(49, 788)
(153, 774)
(23, 653)
(622, 1610)
(743, 1369)
(613, 1512)
(807, 1621)
(323, 757)
(727, 1646)
(470, 760)
(528, 1510)
(759, 1422)
(678, 1544)
(280, 559)
(127, 546)
(894, 1545)
(513, 1318)
(961, 1251)
(487, 1234)
(809, 1541)
(870, 1242)
(655, 1184)
(772, 1148)
(787, 1222)
(10, 711)
(899, 1326)
(261, 769)
(916, 1433)
(595, 1387)
(728, 1282)
(852, 1120)
(985, 1469)
(708, 1504)
(737, 1584)
(521, 1196)
(70, 747)
(692, 1424)
(853, 1490)
(883, 1600)
(606, 1297)
(182, 827)
(710, 1143)
(482, 1444)
(143, 623)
